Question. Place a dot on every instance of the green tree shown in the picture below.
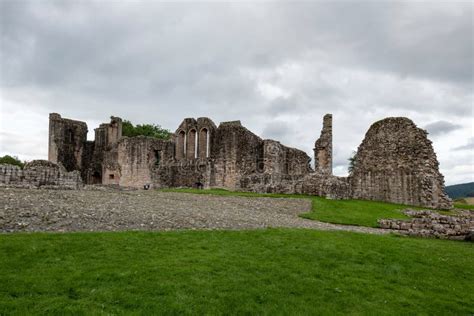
(151, 130)
(11, 161)
(352, 162)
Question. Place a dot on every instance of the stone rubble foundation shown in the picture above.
(39, 174)
(431, 224)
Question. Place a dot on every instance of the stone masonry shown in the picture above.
(395, 162)
(323, 147)
(67, 139)
(426, 223)
(39, 173)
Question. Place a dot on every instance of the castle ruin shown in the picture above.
(395, 162)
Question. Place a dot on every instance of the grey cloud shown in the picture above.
(441, 127)
(277, 130)
(49, 43)
(281, 105)
(468, 146)
(157, 62)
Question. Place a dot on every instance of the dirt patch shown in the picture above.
(108, 210)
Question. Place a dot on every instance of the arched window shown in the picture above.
(191, 151)
(181, 145)
(204, 143)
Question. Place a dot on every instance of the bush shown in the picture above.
(12, 161)
(151, 130)
(352, 162)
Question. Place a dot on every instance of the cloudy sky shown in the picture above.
(278, 67)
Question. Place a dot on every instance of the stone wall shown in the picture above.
(236, 152)
(137, 159)
(432, 224)
(284, 160)
(396, 163)
(321, 184)
(39, 173)
(66, 141)
(314, 183)
(184, 174)
(194, 138)
(270, 183)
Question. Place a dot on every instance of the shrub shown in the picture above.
(151, 130)
(12, 161)
(352, 162)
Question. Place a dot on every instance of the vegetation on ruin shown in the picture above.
(274, 271)
(12, 161)
(151, 130)
(352, 162)
(346, 212)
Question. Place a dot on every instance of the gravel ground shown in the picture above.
(110, 210)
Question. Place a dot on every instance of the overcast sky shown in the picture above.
(278, 67)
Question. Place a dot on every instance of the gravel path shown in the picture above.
(108, 210)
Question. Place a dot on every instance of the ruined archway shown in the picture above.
(181, 145)
(191, 147)
(204, 143)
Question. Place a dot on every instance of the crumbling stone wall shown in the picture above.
(270, 183)
(236, 152)
(194, 138)
(314, 183)
(329, 186)
(104, 161)
(39, 173)
(431, 224)
(396, 163)
(137, 160)
(323, 148)
(284, 160)
(66, 141)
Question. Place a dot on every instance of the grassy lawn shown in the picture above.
(347, 212)
(354, 212)
(275, 271)
(464, 206)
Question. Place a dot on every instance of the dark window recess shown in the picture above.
(111, 176)
(157, 157)
(69, 136)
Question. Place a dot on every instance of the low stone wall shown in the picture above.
(39, 173)
(315, 183)
(432, 224)
(271, 183)
(321, 184)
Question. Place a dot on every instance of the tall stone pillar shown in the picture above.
(323, 148)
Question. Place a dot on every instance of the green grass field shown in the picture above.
(464, 206)
(346, 212)
(274, 271)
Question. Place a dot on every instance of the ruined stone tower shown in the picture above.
(396, 163)
(66, 141)
(323, 148)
